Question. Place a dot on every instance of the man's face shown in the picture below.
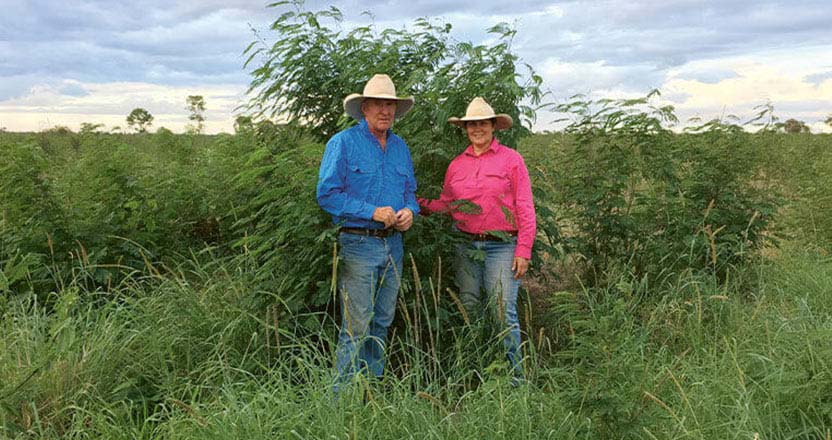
(379, 113)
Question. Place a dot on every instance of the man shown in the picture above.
(366, 182)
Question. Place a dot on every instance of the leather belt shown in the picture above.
(381, 233)
(489, 237)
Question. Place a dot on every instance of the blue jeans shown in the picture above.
(486, 266)
(369, 275)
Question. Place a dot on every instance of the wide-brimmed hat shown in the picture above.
(380, 86)
(479, 110)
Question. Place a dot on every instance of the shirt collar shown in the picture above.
(494, 147)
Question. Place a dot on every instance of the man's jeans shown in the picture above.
(486, 265)
(369, 274)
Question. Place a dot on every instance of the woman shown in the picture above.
(488, 194)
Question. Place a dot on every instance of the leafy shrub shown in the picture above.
(800, 165)
(110, 204)
(32, 224)
(634, 192)
(279, 226)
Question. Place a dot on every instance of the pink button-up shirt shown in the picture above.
(489, 192)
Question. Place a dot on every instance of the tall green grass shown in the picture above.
(224, 343)
(199, 356)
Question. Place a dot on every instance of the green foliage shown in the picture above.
(220, 347)
(309, 69)
(91, 128)
(110, 204)
(140, 350)
(243, 123)
(719, 169)
(139, 119)
(31, 221)
(199, 355)
(795, 126)
(635, 192)
(800, 165)
(279, 225)
(697, 358)
(196, 108)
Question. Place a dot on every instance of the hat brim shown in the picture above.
(502, 121)
(352, 104)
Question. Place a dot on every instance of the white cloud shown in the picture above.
(47, 105)
(62, 58)
(795, 81)
(782, 78)
(569, 78)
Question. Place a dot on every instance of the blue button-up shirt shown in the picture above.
(357, 176)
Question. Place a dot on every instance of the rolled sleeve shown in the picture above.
(526, 221)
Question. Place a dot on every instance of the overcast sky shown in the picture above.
(63, 62)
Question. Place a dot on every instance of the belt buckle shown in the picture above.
(377, 233)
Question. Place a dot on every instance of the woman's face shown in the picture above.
(480, 132)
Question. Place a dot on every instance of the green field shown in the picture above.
(179, 286)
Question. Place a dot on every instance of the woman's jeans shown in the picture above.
(369, 271)
(485, 267)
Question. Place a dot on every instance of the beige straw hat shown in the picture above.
(379, 86)
(479, 110)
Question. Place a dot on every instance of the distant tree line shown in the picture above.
(140, 119)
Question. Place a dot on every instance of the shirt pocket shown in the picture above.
(496, 183)
(463, 185)
(360, 177)
(400, 173)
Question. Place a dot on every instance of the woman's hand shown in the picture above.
(423, 206)
(519, 266)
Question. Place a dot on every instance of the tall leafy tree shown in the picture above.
(795, 126)
(90, 127)
(311, 65)
(243, 123)
(196, 107)
(301, 71)
(139, 119)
